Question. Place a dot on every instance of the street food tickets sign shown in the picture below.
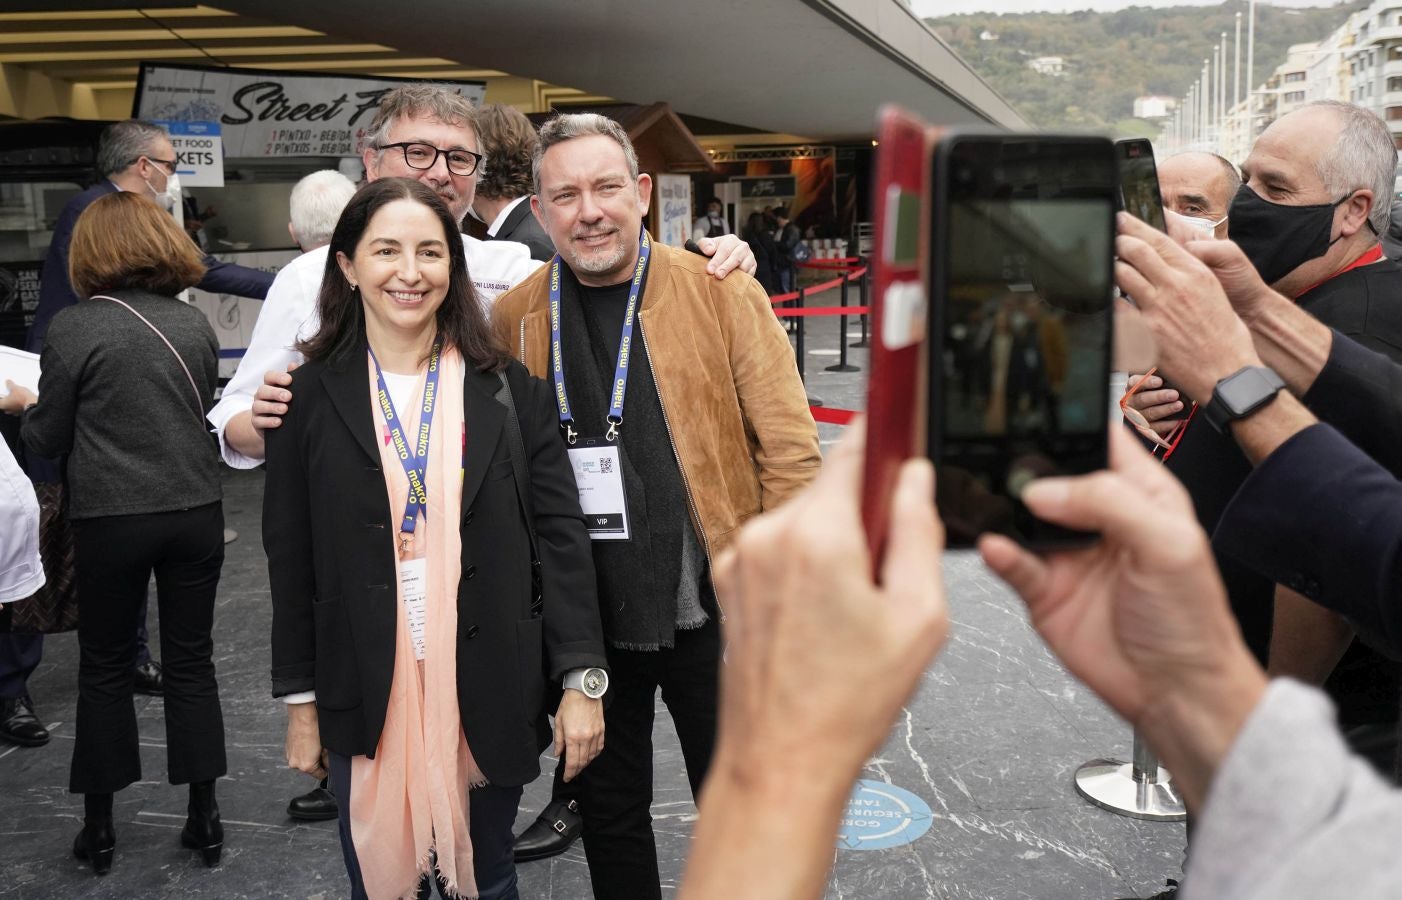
(263, 114)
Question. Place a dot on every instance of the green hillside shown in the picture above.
(1111, 58)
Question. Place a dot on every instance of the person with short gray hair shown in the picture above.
(137, 156)
(125, 143)
(576, 125)
(703, 424)
(1364, 156)
(1306, 217)
(315, 205)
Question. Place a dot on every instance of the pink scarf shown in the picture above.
(412, 798)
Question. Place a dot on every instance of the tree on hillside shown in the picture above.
(1111, 58)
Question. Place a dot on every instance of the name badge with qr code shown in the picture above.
(599, 477)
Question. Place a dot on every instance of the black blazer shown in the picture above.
(522, 226)
(330, 538)
(56, 293)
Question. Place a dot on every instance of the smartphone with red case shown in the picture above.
(898, 299)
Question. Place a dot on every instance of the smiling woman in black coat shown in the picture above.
(408, 637)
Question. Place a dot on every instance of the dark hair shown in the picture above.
(508, 139)
(461, 319)
(781, 212)
(715, 200)
(123, 241)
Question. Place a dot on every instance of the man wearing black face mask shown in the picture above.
(1317, 192)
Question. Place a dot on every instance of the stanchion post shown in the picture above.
(842, 365)
(799, 342)
(862, 302)
(1140, 788)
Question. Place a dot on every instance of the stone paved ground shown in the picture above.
(989, 743)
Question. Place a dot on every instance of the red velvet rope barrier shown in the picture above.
(837, 262)
(851, 276)
(823, 311)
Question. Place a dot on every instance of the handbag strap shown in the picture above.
(199, 404)
(518, 462)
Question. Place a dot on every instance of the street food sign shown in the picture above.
(261, 113)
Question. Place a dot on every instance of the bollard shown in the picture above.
(862, 302)
(1140, 788)
(842, 365)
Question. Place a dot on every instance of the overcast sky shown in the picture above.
(954, 7)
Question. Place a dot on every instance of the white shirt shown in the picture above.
(21, 571)
(289, 314)
(500, 220)
(701, 226)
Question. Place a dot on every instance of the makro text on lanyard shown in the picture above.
(620, 371)
(414, 459)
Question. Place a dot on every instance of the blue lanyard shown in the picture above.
(415, 459)
(620, 371)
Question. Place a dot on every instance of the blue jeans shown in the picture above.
(490, 820)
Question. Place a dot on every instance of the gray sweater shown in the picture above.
(1292, 815)
(115, 400)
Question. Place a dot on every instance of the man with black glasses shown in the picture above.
(421, 131)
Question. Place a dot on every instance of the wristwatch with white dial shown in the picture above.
(591, 682)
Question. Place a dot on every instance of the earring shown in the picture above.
(354, 287)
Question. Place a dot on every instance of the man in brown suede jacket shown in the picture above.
(679, 399)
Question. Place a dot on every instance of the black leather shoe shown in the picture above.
(551, 834)
(18, 725)
(316, 805)
(149, 679)
(96, 843)
(203, 830)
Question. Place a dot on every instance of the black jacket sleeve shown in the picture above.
(1359, 392)
(1323, 519)
(287, 540)
(231, 278)
(573, 630)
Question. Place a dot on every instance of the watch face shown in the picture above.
(593, 683)
(1242, 392)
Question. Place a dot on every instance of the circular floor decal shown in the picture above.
(879, 816)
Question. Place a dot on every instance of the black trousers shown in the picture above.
(491, 813)
(115, 556)
(616, 787)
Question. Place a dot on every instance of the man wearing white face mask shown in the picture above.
(1200, 187)
(134, 156)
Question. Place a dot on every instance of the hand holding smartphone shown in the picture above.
(1011, 378)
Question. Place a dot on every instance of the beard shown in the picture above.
(601, 260)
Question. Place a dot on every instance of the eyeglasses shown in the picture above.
(1136, 418)
(167, 164)
(425, 156)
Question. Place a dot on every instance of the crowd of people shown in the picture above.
(552, 473)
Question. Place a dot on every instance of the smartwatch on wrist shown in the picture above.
(592, 682)
(1240, 394)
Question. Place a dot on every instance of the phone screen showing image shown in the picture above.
(1139, 182)
(1020, 289)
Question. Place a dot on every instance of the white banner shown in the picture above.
(673, 209)
(262, 113)
(199, 152)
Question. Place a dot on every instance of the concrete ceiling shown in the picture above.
(816, 68)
